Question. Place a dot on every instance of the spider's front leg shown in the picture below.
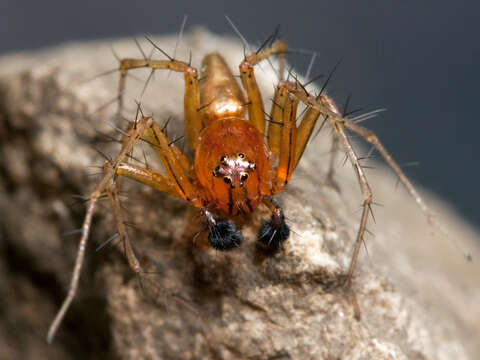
(223, 234)
(281, 139)
(256, 114)
(288, 141)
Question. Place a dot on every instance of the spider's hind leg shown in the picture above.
(193, 119)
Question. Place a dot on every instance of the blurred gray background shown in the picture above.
(418, 59)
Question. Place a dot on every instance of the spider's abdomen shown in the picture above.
(219, 92)
(232, 165)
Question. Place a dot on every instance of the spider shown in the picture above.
(234, 169)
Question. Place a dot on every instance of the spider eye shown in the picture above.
(241, 155)
(216, 172)
(223, 159)
(243, 177)
(227, 179)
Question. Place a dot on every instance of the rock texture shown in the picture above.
(418, 296)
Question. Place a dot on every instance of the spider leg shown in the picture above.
(109, 173)
(276, 118)
(132, 259)
(307, 124)
(256, 113)
(223, 233)
(303, 131)
(112, 192)
(326, 106)
(331, 167)
(340, 124)
(366, 192)
(174, 162)
(176, 183)
(286, 158)
(284, 137)
(370, 137)
(336, 121)
(148, 177)
(193, 119)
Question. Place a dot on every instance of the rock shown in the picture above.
(418, 295)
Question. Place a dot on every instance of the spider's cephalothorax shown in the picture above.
(232, 166)
(232, 161)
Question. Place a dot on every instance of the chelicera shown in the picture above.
(240, 161)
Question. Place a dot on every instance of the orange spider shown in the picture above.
(234, 168)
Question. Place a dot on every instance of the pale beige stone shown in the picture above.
(419, 297)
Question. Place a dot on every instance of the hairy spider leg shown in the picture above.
(288, 141)
(148, 177)
(134, 264)
(112, 192)
(326, 106)
(303, 131)
(283, 138)
(286, 154)
(176, 183)
(193, 118)
(109, 173)
(276, 119)
(256, 112)
(174, 163)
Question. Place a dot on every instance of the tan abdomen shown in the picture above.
(221, 96)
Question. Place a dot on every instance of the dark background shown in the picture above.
(418, 59)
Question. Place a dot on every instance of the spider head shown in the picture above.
(234, 169)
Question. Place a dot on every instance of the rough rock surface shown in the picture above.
(418, 296)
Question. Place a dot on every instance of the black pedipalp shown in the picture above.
(224, 235)
(273, 233)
